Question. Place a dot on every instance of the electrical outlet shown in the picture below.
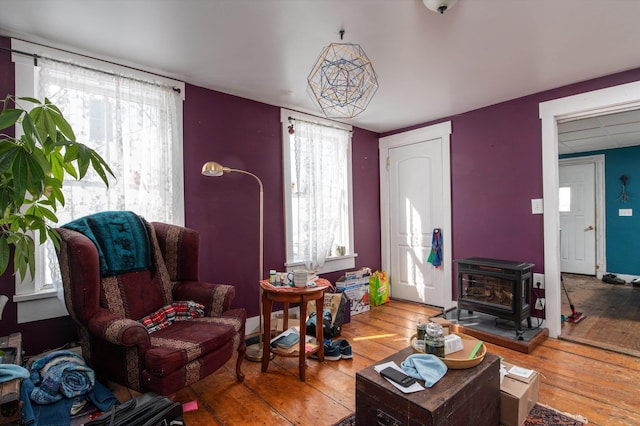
(540, 304)
(538, 279)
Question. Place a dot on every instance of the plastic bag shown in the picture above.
(378, 288)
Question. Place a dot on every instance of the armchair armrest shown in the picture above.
(119, 330)
(216, 298)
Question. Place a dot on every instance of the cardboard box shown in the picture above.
(518, 395)
(359, 274)
(358, 296)
(293, 322)
(346, 283)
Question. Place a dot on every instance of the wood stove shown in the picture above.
(500, 288)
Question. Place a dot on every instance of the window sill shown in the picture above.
(331, 264)
(45, 294)
(39, 306)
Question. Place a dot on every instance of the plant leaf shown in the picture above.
(8, 117)
(4, 254)
(8, 153)
(101, 168)
(30, 132)
(27, 175)
(32, 100)
(62, 123)
(84, 159)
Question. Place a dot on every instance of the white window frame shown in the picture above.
(33, 302)
(334, 263)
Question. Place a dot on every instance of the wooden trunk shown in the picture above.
(10, 391)
(469, 396)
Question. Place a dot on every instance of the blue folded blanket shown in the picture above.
(12, 371)
(60, 374)
(121, 239)
(427, 367)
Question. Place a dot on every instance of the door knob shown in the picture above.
(589, 228)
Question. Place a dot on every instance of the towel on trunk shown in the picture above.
(60, 374)
(427, 367)
(121, 239)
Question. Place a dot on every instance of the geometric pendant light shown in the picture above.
(342, 81)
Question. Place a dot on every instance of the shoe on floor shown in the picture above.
(345, 349)
(331, 351)
(612, 279)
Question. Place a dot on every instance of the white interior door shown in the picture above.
(577, 219)
(417, 200)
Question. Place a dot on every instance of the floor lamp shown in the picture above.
(211, 168)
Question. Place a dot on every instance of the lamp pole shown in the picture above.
(211, 168)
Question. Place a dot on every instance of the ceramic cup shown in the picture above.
(300, 278)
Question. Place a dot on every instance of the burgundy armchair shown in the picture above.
(107, 311)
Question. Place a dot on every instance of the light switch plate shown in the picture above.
(536, 206)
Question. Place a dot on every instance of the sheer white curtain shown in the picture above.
(135, 126)
(319, 190)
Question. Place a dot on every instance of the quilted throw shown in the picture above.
(60, 374)
(121, 239)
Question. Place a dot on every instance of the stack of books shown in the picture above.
(287, 340)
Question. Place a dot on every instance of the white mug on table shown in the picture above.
(300, 278)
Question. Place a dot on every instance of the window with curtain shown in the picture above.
(318, 200)
(134, 122)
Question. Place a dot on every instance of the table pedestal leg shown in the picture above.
(266, 343)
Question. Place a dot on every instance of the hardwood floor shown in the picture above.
(612, 315)
(579, 379)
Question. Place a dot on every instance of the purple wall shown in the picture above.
(244, 134)
(496, 155)
(496, 171)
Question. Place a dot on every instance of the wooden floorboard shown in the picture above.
(598, 384)
(612, 314)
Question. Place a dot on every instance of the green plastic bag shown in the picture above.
(378, 288)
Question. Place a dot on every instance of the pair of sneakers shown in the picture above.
(613, 279)
(337, 349)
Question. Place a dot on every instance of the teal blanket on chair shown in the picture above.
(121, 239)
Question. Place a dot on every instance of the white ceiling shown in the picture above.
(602, 132)
(429, 66)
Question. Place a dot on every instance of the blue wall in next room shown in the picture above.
(622, 232)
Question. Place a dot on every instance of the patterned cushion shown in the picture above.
(184, 341)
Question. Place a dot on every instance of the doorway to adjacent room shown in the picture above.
(612, 316)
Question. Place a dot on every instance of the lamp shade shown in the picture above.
(211, 168)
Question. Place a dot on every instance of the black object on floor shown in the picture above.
(613, 279)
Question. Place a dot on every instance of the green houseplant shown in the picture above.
(32, 169)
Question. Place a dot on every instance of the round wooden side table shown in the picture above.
(287, 295)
